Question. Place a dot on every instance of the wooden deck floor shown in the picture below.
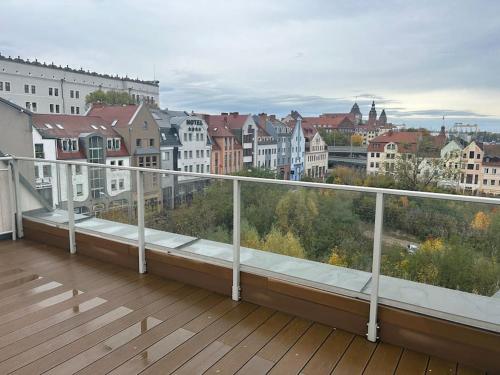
(62, 314)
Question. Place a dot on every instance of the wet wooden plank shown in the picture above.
(441, 366)
(180, 355)
(244, 351)
(384, 360)
(328, 355)
(217, 349)
(297, 357)
(356, 357)
(412, 363)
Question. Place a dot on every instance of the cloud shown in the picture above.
(269, 54)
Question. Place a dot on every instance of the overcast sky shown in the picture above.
(419, 61)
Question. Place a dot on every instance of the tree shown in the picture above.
(357, 139)
(109, 97)
(286, 244)
(481, 221)
(337, 258)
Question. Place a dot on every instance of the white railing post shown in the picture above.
(141, 239)
(12, 197)
(71, 209)
(17, 190)
(236, 239)
(377, 253)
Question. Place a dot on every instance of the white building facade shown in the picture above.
(47, 88)
(316, 157)
(297, 153)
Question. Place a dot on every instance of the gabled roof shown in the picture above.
(15, 106)
(231, 120)
(71, 126)
(491, 150)
(169, 137)
(122, 114)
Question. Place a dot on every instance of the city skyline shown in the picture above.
(426, 62)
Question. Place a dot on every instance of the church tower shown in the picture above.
(372, 116)
(382, 120)
(358, 116)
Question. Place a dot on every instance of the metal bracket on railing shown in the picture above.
(141, 238)
(71, 209)
(236, 240)
(377, 252)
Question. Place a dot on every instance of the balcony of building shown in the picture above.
(112, 294)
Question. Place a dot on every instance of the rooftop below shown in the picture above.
(61, 314)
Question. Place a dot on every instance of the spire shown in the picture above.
(382, 120)
(372, 116)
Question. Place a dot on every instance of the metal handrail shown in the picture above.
(318, 185)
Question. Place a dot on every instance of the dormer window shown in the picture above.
(113, 143)
(69, 144)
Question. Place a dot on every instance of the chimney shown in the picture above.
(224, 113)
(235, 114)
(272, 117)
(262, 119)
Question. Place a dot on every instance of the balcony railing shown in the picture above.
(432, 300)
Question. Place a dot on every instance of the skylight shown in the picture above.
(94, 127)
(59, 126)
(48, 126)
(114, 122)
(103, 127)
(163, 136)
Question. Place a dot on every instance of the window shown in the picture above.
(71, 94)
(471, 155)
(79, 190)
(96, 174)
(197, 153)
(7, 86)
(138, 142)
(28, 105)
(77, 94)
(37, 173)
(109, 142)
(39, 154)
(47, 171)
(185, 154)
(197, 168)
(120, 163)
(121, 184)
(190, 136)
(486, 170)
(78, 169)
(72, 110)
(151, 142)
(494, 171)
(33, 107)
(492, 182)
(26, 89)
(113, 185)
(50, 91)
(478, 156)
(33, 89)
(1, 85)
(77, 110)
(141, 161)
(145, 125)
(485, 182)
(190, 154)
(57, 108)
(185, 137)
(56, 92)
(190, 168)
(51, 108)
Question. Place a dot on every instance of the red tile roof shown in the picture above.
(70, 126)
(232, 121)
(109, 113)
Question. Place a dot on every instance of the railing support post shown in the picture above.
(17, 190)
(12, 197)
(71, 209)
(377, 252)
(236, 239)
(141, 238)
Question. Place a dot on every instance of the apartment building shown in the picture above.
(316, 154)
(267, 150)
(297, 152)
(283, 134)
(141, 136)
(185, 145)
(490, 182)
(47, 88)
(81, 139)
(227, 151)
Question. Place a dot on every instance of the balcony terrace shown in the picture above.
(120, 294)
(64, 314)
